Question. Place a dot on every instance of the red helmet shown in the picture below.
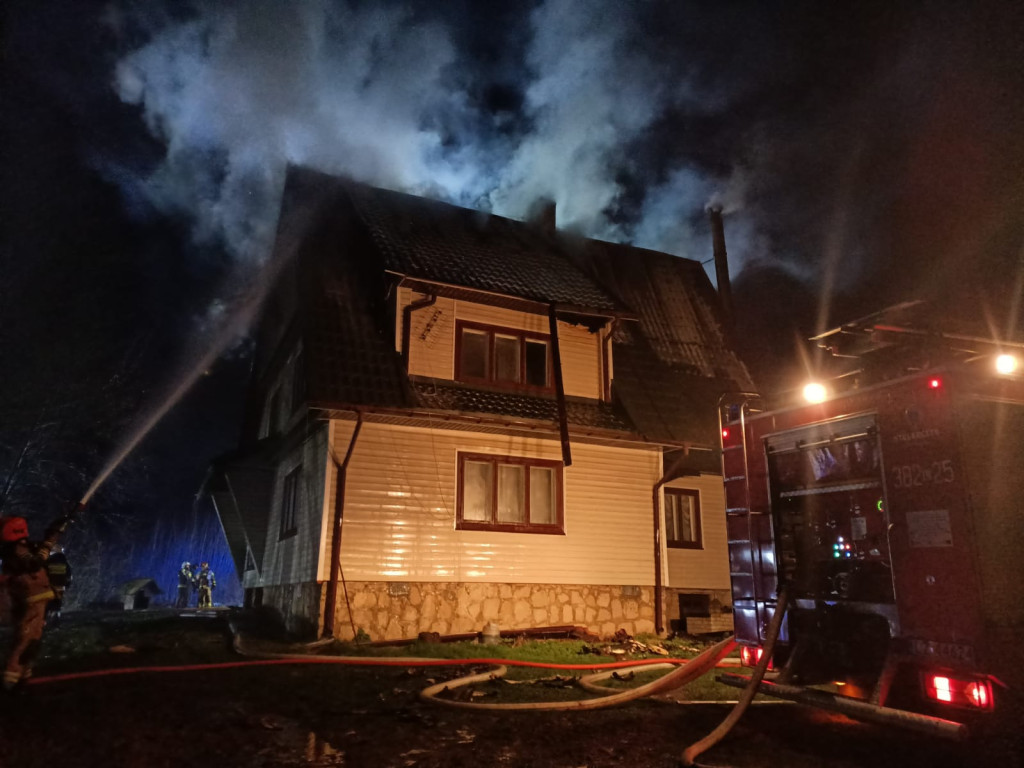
(13, 529)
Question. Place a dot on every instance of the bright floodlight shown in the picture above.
(815, 392)
(1006, 364)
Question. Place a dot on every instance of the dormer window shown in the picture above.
(502, 357)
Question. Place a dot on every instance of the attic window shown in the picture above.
(509, 493)
(502, 357)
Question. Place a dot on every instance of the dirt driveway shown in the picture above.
(357, 716)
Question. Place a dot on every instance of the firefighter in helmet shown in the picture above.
(25, 576)
(206, 581)
(186, 580)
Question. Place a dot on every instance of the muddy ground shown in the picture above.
(314, 716)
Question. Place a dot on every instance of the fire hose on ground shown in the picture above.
(684, 672)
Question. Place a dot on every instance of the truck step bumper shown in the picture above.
(858, 710)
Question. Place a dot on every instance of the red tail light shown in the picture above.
(958, 692)
(750, 656)
(725, 433)
(934, 383)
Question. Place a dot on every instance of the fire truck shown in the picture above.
(892, 515)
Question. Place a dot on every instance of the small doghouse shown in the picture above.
(135, 595)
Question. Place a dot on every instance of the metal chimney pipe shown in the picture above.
(721, 261)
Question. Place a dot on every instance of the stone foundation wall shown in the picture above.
(396, 610)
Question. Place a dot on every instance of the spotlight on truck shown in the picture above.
(1006, 364)
(815, 392)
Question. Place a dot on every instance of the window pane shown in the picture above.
(686, 520)
(537, 363)
(476, 491)
(511, 494)
(506, 358)
(474, 362)
(542, 496)
(671, 513)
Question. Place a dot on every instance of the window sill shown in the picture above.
(551, 530)
(684, 545)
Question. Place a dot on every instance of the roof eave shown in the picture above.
(349, 410)
(533, 305)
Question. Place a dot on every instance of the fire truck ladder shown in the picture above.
(742, 402)
(743, 539)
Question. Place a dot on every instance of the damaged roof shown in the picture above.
(672, 356)
(674, 363)
(435, 241)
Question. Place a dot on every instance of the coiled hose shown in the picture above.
(682, 675)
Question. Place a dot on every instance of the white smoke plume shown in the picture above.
(381, 92)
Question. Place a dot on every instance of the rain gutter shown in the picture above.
(407, 311)
(659, 587)
(339, 516)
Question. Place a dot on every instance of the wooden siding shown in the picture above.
(432, 340)
(296, 558)
(706, 568)
(400, 513)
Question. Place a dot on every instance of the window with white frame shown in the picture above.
(682, 518)
(509, 493)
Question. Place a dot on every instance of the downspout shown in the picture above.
(341, 472)
(659, 587)
(407, 311)
(563, 419)
(606, 348)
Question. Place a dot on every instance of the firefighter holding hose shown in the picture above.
(25, 576)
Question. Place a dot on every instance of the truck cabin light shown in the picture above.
(751, 655)
(957, 692)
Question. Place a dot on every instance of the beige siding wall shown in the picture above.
(296, 559)
(400, 507)
(432, 340)
(707, 568)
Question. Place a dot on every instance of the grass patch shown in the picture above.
(534, 651)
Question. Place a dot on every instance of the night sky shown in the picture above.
(864, 154)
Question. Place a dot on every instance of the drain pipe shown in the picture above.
(341, 473)
(407, 311)
(606, 349)
(659, 587)
(563, 419)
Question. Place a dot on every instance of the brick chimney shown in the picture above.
(721, 262)
(542, 215)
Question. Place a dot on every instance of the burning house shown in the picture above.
(456, 418)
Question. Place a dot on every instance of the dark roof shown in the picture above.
(675, 362)
(671, 364)
(435, 241)
(350, 360)
(591, 414)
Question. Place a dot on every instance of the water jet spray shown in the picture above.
(238, 321)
